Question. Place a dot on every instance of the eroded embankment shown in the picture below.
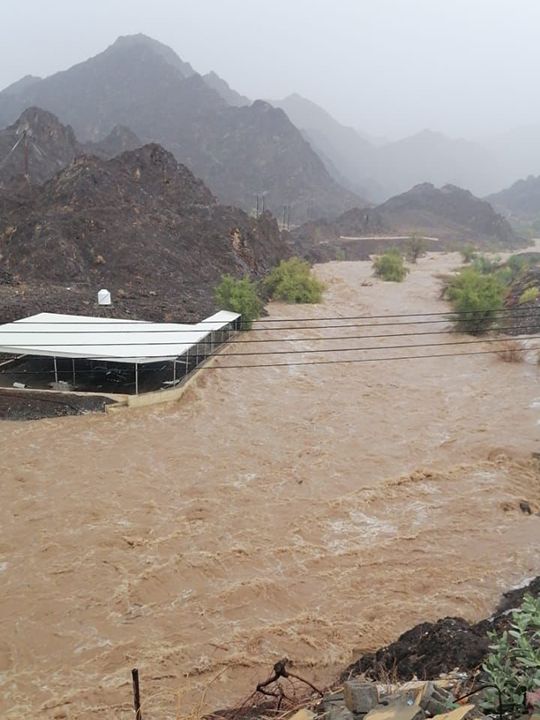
(309, 512)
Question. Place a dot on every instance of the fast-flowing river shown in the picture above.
(312, 512)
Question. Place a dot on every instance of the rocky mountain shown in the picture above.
(520, 201)
(238, 151)
(138, 224)
(379, 169)
(119, 140)
(447, 216)
(449, 213)
(38, 145)
(348, 157)
(223, 89)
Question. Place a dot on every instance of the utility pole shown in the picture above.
(26, 156)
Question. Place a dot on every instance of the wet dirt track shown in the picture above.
(308, 512)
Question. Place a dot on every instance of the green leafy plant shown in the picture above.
(529, 295)
(240, 296)
(513, 664)
(416, 247)
(293, 281)
(518, 264)
(486, 265)
(468, 253)
(390, 266)
(477, 297)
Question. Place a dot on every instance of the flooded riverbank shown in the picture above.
(311, 512)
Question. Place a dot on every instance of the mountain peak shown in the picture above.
(144, 42)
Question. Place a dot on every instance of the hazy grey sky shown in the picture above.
(390, 67)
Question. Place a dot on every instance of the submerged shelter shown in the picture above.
(96, 354)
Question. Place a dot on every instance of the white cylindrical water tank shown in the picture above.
(104, 297)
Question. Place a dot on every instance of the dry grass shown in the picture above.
(511, 351)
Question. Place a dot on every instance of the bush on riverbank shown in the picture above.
(293, 281)
(240, 296)
(476, 298)
(390, 266)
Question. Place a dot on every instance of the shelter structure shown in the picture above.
(74, 352)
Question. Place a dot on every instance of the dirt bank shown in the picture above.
(314, 512)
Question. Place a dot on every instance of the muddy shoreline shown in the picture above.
(427, 651)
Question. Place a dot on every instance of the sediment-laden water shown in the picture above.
(312, 512)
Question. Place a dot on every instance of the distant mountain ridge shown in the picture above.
(383, 169)
(451, 215)
(240, 151)
(520, 201)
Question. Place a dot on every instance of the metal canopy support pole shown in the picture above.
(73, 370)
(174, 372)
(55, 370)
(187, 362)
(136, 378)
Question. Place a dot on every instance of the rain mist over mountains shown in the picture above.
(291, 151)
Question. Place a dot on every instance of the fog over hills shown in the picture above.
(240, 151)
(380, 169)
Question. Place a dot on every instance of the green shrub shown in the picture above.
(240, 296)
(293, 282)
(529, 295)
(517, 263)
(478, 297)
(390, 266)
(416, 247)
(468, 253)
(486, 265)
(513, 664)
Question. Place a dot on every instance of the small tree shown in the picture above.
(390, 266)
(293, 282)
(416, 247)
(240, 296)
(477, 297)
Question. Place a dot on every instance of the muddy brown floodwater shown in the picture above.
(312, 512)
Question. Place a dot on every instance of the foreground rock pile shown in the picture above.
(361, 700)
(416, 700)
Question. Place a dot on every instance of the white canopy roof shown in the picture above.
(126, 341)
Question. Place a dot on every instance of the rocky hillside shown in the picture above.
(119, 140)
(140, 224)
(449, 215)
(521, 200)
(36, 144)
(350, 159)
(238, 151)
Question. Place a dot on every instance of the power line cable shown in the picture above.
(29, 348)
(449, 314)
(351, 361)
(447, 319)
(524, 330)
(357, 361)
